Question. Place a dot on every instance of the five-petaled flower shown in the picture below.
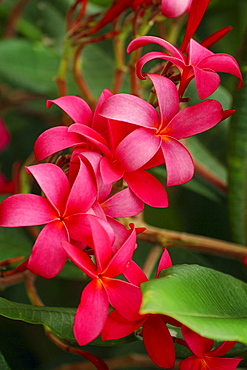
(63, 209)
(200, 63)
(104, 289)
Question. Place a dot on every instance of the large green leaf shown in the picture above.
(209, 302)
(58, 319)
(14, 242)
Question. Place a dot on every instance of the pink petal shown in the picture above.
(48, 256)
(124, 297)
(110, 170)
(4, 135)
(175, 8)
(158, 342)
(123, 204)
(206, 82)
(83, 192)
(147, 188)
(196, 13)
(102, 242)
(142, 141)
(222, 349)
(80, 229)
(131, 109)
(26, 210)
(119, 262)
(53, 182)
(194, 119)
(99, 123)
(92, 313)
(75, 107)
(179, 163)
(197, 52)
(120, 232)
(191, 362)
(197, 344)
(117, 327)
(55, 139)
(92, 135)
(167, 95)
(222, 363)
(222, 63)
(134, 274)
(164, 263)
(145, 40)
(80, 259)
(156, 55)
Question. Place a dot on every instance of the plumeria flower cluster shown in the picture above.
(105, 177)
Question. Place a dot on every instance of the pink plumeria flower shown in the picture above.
(156, 336)
(204, 357)
(63, 211)
(103, 290)
(200, 63)
(161, 132)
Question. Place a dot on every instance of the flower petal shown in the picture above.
(134, 274)
(53, 182)
(175, 8)
(124, 297)
(48, 256)
(92, 313)
(216, 363)
(93, 136)
(83, 192)
(117, 326)
(158, 342)
(26, 210)
(80, 259)
(102, 242)
(194, 119)
(122, 257)
(4, 135)
(156, 55)
(75, 107)
(197, 344)
(165, 262)
(206, 81)
(55, 139)
(123, 204)
(222, 63)
(139, 42)
(137, 148)
(147, 188)
(167, 95)
(110, 170)
(179, 163)
(131, 109)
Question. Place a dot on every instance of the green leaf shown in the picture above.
(209, 302)
(60, 320)
(3, 363)
(28, 66)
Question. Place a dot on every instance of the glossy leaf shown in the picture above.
(209, 302)
(59, 320)
(3, 363)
